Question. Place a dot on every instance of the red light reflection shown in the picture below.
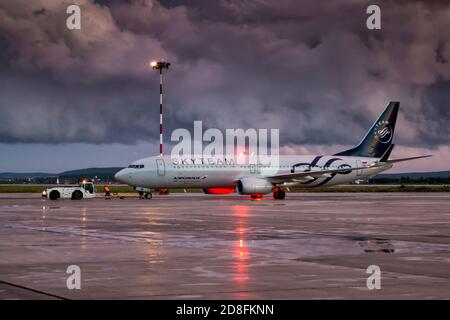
(240, 211)
(241, 254)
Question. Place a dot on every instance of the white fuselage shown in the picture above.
(168, 172)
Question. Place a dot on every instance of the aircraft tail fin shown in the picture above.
(385, 156)
(377, 142)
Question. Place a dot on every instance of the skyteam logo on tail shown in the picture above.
(383, 132)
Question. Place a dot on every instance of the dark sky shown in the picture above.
(83, 98)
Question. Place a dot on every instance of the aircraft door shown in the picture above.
(358, 165)
(160, 167)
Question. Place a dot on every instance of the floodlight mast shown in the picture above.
(160, 65)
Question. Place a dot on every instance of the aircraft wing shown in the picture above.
(407, 159)
(312, 174)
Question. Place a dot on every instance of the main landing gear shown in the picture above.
(146, 195)
(278, 194)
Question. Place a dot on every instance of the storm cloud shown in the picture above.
(310, 68)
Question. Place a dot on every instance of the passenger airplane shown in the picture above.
(365, 160)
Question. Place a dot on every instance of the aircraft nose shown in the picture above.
(119, 176)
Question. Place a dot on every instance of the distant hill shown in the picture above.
(439, 177)
(91, 172)
(15, 175)
(84, 173)
(81, 172)
(415, 175)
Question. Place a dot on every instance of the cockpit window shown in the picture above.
(136, 166)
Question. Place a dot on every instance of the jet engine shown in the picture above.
(254, 186)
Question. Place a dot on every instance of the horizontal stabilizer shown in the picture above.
(407, 159)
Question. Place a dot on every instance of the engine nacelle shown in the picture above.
(254, 186)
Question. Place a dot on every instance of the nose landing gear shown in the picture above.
(146, 195)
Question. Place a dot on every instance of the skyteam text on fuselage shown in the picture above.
(220, 175)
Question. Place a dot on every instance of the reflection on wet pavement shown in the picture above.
(197, 246)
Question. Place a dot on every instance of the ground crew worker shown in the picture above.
(107, 192)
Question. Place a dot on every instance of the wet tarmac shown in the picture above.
(195, 246)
